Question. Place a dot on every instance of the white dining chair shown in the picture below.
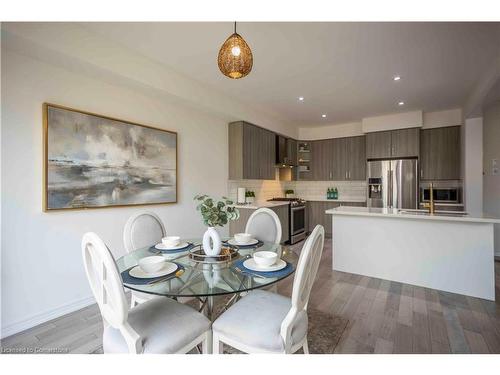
(264, 225)
(158, 326)
(141, 230)
(265, 322)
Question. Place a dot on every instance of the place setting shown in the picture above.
(171, 245)
(151, 270)
(263, 265)
(243, 241)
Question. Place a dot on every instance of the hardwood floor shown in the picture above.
(384, 317)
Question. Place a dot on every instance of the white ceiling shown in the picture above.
(342, 69)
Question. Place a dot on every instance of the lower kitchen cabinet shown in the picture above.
(239, 225)
(316, 214)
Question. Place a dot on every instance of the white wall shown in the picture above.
(42, 270)
(473, 165)
(491, 150)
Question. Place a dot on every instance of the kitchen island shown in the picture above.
(451, 252)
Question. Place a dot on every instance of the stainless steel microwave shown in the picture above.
(441, 195)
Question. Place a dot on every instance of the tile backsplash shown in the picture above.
(267, 189)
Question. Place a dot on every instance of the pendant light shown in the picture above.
(235, 58)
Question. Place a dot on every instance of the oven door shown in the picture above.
(298, 220)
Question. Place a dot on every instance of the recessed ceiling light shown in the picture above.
(301, 98)
(324, 116)
(401, 103)
(396, 78)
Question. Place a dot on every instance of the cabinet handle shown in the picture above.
(349, 175)
(330, 175)
(421, 173)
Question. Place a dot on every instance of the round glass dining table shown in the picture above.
(207, 280)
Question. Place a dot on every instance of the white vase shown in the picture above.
(211, 242)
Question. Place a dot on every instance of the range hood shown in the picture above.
(283, 159)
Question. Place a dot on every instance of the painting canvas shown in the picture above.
(94, 161)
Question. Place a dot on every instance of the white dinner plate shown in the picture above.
(167, 268)
(252, 265)
(161, 246)
(233, 242)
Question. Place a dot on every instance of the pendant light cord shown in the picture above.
(235, 27)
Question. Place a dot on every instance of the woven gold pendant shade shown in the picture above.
(235, 58)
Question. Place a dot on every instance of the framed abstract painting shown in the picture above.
(94, 161)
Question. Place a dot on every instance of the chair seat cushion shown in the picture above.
(255, 321)
(164, 325)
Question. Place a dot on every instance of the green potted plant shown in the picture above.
(215, 214)
(289, 193)
(249, 196)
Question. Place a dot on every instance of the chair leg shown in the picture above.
(207, 343)
(305, 347)
(218, 346)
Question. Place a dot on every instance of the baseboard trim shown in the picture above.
(44, 317)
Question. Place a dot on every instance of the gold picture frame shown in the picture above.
(61, 172)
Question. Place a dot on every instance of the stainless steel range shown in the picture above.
(297, 218)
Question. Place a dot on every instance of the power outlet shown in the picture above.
(494, 167)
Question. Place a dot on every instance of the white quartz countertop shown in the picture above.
(261, 204)
(395, 213)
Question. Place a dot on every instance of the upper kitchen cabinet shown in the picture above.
(292, 151)
(378, 145)
(252, 152)
(321, 160)
(440, 153)
(399, 143)
(405, 142)
(338, 159)
(356, 158)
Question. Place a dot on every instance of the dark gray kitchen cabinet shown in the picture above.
(267, 154)
(356, 158)
(405, 142)
(292, 151)
(399, 143)
(252, 152)
(321, 161)
(316, 214)
(378, 145)
(339, 158)
(440, 153)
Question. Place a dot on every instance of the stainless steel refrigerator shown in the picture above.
(393, 183)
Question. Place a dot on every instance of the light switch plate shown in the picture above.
(494, 167)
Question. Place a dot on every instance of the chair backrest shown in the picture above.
(305, 274)
(104, 279)
(264, 225)
(107, 287)
(141, 230)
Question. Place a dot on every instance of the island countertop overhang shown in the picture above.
(396, 214)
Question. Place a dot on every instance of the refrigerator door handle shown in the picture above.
(389, 188)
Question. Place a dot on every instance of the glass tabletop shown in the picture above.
(209, 279)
